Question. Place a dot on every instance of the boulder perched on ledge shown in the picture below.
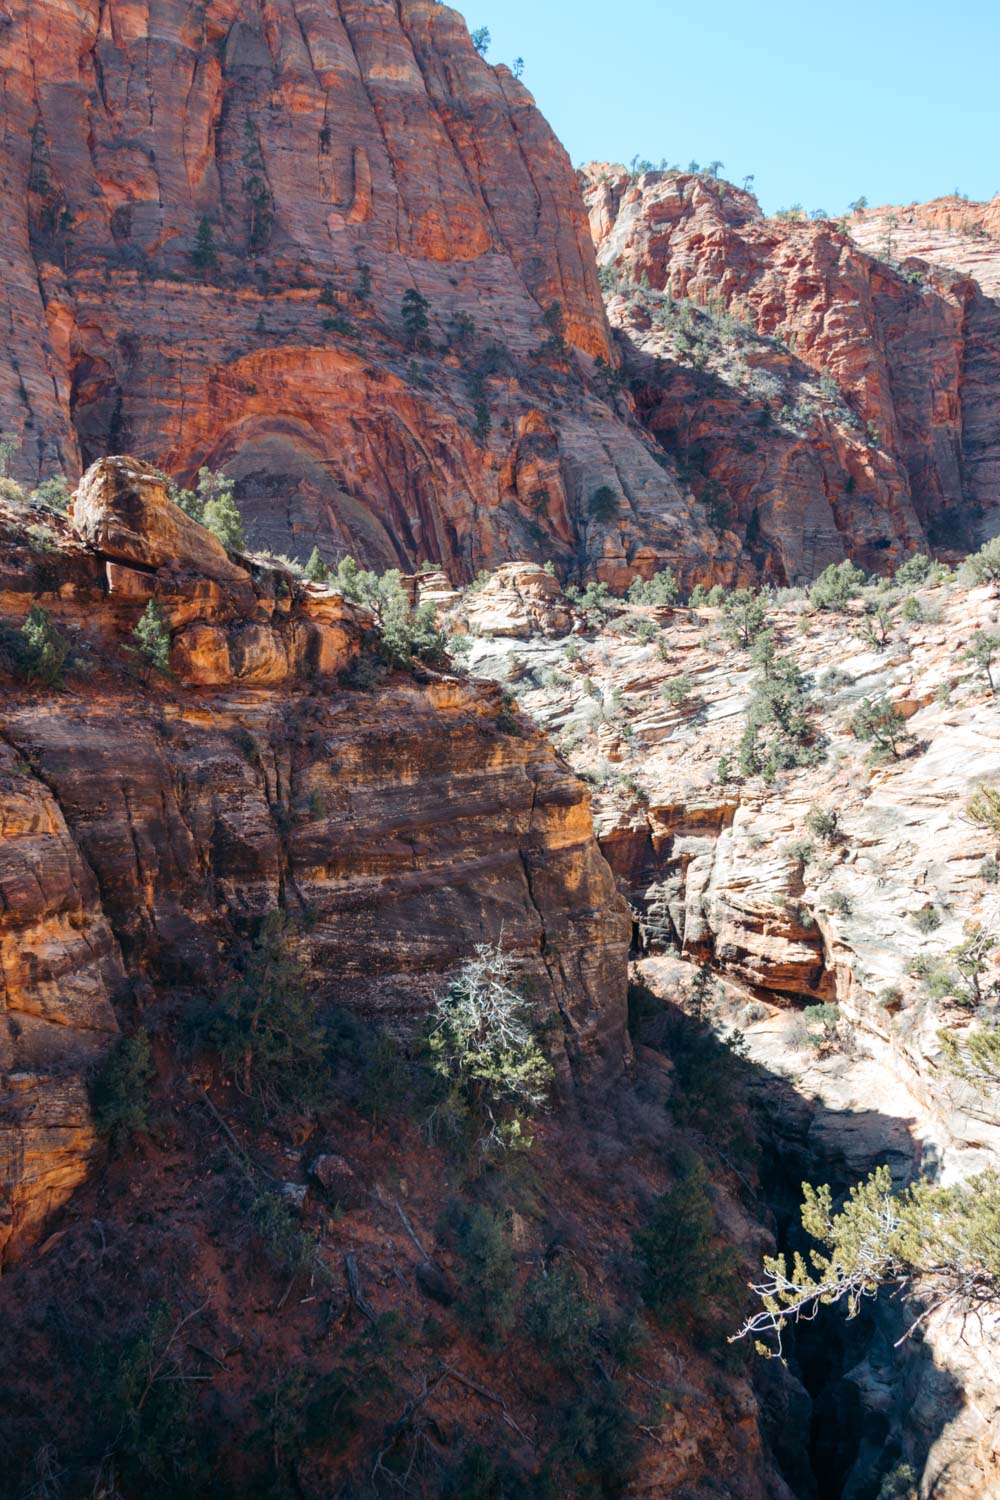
(122, 509)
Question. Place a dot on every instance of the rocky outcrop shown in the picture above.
(519, 600)
(148, 822)
(893, 446)
(60, 970)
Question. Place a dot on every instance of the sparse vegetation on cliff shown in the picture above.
(484, 1051)
(939, 1244)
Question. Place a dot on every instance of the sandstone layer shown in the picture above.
(950, 232)
(212, 217)
(823, 398)
(146, 826)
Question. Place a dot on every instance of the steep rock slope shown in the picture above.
(144, 829)
(897, 443)
(212, 218)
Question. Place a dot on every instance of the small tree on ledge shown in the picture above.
(152, 638)
(316, 570)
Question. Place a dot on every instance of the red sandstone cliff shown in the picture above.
(898, 446)
(333, 157)
(148, 823)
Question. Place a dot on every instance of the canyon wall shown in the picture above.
(212, 218)
(895, 444)
(838, 881)
(146, 828)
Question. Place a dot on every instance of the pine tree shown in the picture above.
(45, 649)
(203, 256)
(221, 514)
(415, 319)
(316, 570)
(152, 638)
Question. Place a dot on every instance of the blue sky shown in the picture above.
(821, 104)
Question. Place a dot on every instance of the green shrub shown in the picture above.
(474, 1477)
(914, 571)
(744, 617)
(777, 732)
(927, 919)
(265, 1026)
(821, 1024)
(595, 600)
(272, 1219)
(874, 626)
(147, 1402)
(712, 598)
(939, 1244)
(682, 1268)
(487, 1271)
(661, 589)
(406, 634)
(416, 324)
(558, 1319)
(901, 1483)
(878, 722)
(822, 823)
(120, 1090)
(983, 566)
(974, 1056)
(316, 570)
(594, 1449)
(45, 651)
(53, 494)
(982, 651)
(152, 638)
(836, 586)
(485, 1054)
(983, 808)
(221, 515)
(677, 691)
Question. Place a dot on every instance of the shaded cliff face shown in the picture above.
(212, 217)
(898, 447)
(146, 827)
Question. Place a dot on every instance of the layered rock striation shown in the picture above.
(149, 822)
(213, 217)
(824, 398)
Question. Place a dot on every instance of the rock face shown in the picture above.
(144, 827)
(894, 446)
(212, 217)
(949, 232)
(729, 869)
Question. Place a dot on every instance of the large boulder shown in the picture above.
(122, 509)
